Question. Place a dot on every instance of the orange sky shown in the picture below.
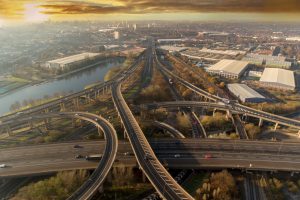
(42, 10)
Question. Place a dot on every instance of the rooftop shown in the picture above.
(74, 58)
(173, 48)
(242, 90)
(229, 66)
(282, 76)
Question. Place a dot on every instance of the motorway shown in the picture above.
(89, 188)
(233, 106)
(268, 156)
(160, 178)
(243, 110)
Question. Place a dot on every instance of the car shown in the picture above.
(78, 156)
(177, 156)
(3, 165)
(127, 154)
(207, 156)
(77, 146)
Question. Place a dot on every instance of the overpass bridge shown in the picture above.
(234, 109)
(88, 189)
(231, 154)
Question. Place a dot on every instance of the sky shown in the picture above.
(29, 11)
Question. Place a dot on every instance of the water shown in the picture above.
(72, 83)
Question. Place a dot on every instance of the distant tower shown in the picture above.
(134, 27)
(116, 35)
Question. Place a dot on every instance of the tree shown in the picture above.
(211, 90)
(252, 130)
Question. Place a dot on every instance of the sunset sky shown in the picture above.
(28, 11)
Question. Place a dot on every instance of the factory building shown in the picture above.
(70, 61)
(267, 60)
(245, 93)
(278, 78)
(231, 69)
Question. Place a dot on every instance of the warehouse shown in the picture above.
(267, 60)
(278, 78)
(232, 69)
(245, 93)
(70, 61)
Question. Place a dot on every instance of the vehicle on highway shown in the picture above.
(207, 156)
(3, 165)
(93, 157)
(77, 146)
(128, 154)
(177, 156)
(147, 157)
(79, 156)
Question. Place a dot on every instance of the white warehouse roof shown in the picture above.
(230, 66)
(74, 58)
(280, 76)
(245, 93)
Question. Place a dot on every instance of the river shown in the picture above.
(71, 83)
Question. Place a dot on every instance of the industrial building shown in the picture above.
(231, 69)
(267, 60)
(245, 93)
(211, 54)
(70, 61)
(173, 48)
(278, 78)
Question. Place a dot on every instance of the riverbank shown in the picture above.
(86, 67)
(28, 83)
(57, 87)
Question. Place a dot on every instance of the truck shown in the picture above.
(93, 157)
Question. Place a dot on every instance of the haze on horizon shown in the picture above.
(29, 11)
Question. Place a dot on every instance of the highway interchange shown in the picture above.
(229, 154)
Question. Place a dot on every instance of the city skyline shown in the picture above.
(28, 11)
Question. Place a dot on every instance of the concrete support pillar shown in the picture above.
(276, 125)
(214, 112)
(62, 107)
(95, 95)
(228, 114)
(8, 130)
(76, 103)
(261, 121)
(125, 134)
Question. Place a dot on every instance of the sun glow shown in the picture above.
(33, 13)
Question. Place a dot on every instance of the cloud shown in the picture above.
(14, 8)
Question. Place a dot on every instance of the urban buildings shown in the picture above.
(231, 69)
(278, 78)
(70, 61)
(245, 93)
(267, 60)
(211, 55)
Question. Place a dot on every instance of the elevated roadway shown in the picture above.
(88, 189)
(235, 154)
(233, 106)
(235, 109)
(160, 178)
